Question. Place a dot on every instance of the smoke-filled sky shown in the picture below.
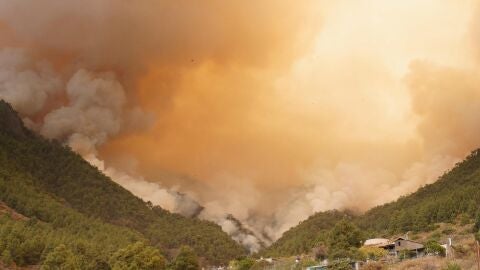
(268, 110)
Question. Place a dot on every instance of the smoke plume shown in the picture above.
(269, 111)
(26, 84)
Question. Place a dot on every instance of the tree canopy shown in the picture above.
(65, 211)
(455, 195)
(186, 260)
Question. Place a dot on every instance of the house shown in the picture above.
(384, 243)
(397, 246)
(402, 245)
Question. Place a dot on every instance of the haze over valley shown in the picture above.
(253, 115)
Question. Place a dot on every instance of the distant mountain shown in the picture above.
(67, 201)
(456, 193)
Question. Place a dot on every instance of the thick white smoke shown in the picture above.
(349, 186)
(246, 239)
(168, 199)
(25, 83)
(94, 111)
(219, 75)
(248, 236)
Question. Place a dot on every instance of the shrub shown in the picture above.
(187, 260)
(433, 247)
(243, 264)
(342, 264)
(138, 256)
(452, 266)
(372, 253)
(60, 258)
(435, 236)
(308, 262)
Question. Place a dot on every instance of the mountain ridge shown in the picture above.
(52, 169)
(455, 193)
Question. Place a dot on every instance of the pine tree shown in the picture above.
(186, 260)
(344, 240)
(60, 258)
(137, 256)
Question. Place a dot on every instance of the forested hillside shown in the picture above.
(455, 194)
(65, 211)
(306, 235)
(72, 208)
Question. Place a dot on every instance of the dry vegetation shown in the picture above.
(4, 209)
(426, 263)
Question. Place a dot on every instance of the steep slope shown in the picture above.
(455, 193)
(63, 176)
(245, 235)
(34, 223)
(306, 235)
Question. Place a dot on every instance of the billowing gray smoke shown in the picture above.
(269, 119)
(92, 115)
(94, 110)
(26, 84)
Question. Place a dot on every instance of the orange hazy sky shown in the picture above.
(287, 107)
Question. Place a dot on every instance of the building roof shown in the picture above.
(407, 245)
(401, 238)
(377, 242)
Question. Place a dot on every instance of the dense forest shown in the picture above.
(58, 211)
(63, 211)
(455, 195)
(302, 238)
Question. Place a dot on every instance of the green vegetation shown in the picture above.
(433, 247)
(344, 240)
(455, 197)
(310, 233)
(372, 253)
(456, 193)
(452, 266)
(137, 256)
(307, 262)
(68, 215)
(61, 257)
(53, 226)
(186, 260)
(340, 264)
(74, 217)
(242, 264)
